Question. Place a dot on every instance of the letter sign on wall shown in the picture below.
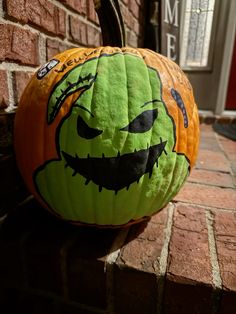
(170, 24)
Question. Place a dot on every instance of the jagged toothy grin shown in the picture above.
(116, 173)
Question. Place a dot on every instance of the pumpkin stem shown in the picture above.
(111, 22)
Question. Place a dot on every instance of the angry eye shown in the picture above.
(142, 123)
(86, 131)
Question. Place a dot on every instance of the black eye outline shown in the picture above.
(86, 131)
(143, 122)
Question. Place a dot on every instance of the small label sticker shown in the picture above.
(46, 68)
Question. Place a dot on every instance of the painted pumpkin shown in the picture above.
(106, 136)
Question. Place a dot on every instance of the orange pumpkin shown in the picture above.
(106, 135)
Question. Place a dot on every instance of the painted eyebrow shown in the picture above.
(85, 109)
(151, 101)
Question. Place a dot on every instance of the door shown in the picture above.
(231, 93)
(204, 49)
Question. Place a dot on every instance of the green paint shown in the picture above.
(121, 88)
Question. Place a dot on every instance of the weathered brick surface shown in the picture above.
(144, 243)
(134, 291)
(212, 160)
(93, 36)
(188, 264)
(229, 148)
(55, 46)
(212, 178)
(134, 8)
(4, 95)
(12, 189)
(85, 266)
(225, 233)
(228, 303)
(189, 257)
(78, 6)
(42, 13)
(207, 195)
(91, 13)
(78, 30)
(21, 79)
(209, 143)
(18, 45)
(186, 298)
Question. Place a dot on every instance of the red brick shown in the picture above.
(134, 8)
(136, 27)
(42, 13)
(78, 30)
(12, 189)
(78, 6)
(43, 261)
(189, 254)
(18, 45)
(210, 160)
(86, 266)
(6, 133)
(91, 13)
(225, 234)
(132, 39)
(54, 47)
(209, 143)
(211, 178)
(189, 277)
(23, 302)
(186, 298)
(229, 148)
(128, 18)
(228, 303)
(206, 131)
(207, 195)
(21, 80)
(233, 166)
(4, 95)
(134, 291)
(94, 36)
(144, 244)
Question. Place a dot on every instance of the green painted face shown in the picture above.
(115, 146)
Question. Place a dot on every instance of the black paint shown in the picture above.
(116, 173)
(86, 131)
(142, 123)
(181, 105)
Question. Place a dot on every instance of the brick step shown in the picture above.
(182, 260)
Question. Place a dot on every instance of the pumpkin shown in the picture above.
(106, 136)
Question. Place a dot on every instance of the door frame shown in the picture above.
(227, 58)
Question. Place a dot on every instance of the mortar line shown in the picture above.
(163, 262)
(203, 206)
(108, 268)
(1, 10)
(223, 151)
(11, 106)
(216, 278)
(42, 48)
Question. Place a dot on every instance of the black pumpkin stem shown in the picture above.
(111, 22)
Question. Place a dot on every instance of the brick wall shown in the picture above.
(31, 32)
(181, 261)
